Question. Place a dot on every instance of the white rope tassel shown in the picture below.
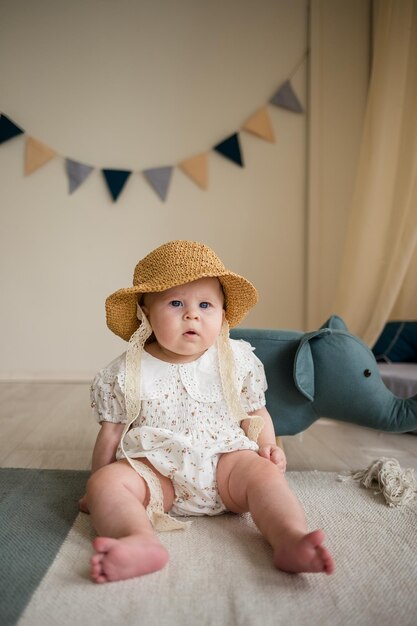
(133, 366)
(132, 375)
(155, 509)
(398, 486)
(228, 378)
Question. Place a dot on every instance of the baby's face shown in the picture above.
(186, 320)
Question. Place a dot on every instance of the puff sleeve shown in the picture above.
(107, 393)
(251, 377)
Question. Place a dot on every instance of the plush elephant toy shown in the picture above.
(325, 373)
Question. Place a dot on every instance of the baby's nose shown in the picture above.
(192, 313)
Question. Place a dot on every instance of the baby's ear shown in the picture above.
(142, 311)
(142, 305)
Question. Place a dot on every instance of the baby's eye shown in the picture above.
(176, 303)
(204, 305)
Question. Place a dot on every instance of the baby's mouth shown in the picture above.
(190, 332)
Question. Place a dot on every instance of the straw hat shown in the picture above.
(172, 264)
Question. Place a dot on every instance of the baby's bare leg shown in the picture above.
(248, 482)
(126, 546)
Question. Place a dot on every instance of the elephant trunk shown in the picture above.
(403, 415)
(380, 410)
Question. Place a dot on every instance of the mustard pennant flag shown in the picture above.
(37, 154)
(197, 169)
(260, 124)
(286, 98)
(159, 179)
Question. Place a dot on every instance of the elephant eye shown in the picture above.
(367, 373)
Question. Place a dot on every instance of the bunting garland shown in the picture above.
(259, 124)
(116, 180)
(77, 173)
(159, 178)
(285, 97)
(230, 148)
(197, 169)
(8, 129)
(37, 154)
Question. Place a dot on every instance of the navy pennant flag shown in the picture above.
(8, 129)
(116, 180)
(230, 148)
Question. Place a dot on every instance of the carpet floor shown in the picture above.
(220, 572)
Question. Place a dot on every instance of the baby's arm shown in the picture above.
(104, 451)
(266, 440)
(106, 444)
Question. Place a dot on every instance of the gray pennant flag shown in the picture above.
(77, 173)
(159, 179)
(285, 98)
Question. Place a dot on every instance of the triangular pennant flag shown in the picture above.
(230, 148)
(77, 173)
(37, 154)
(159, 179)
(197, 169)
(285, 98)
(8, 129)
(260, 124)
(116, 180)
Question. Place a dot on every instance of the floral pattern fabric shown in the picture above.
(184, 424)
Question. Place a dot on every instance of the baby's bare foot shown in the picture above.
(118, 559)
(304, 555)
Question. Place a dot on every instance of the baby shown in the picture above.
(184, 428)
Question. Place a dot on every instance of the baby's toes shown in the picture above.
(96, 572)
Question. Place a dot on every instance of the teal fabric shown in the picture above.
(397, 343)
(304, 364)
(37, 510)
(326, 373)
(290, 410)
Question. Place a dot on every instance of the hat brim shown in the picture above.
(121, 306)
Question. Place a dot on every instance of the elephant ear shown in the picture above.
(304, 364)
(335, 323)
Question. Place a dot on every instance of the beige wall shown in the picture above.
(133, 85)
(340, 41)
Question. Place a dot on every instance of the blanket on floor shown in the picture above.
(220, 571)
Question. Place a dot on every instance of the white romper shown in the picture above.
(184, 424)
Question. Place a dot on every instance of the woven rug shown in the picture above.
(220, 572)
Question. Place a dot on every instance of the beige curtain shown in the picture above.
(378, 274)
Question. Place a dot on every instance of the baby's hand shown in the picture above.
(275, 454)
